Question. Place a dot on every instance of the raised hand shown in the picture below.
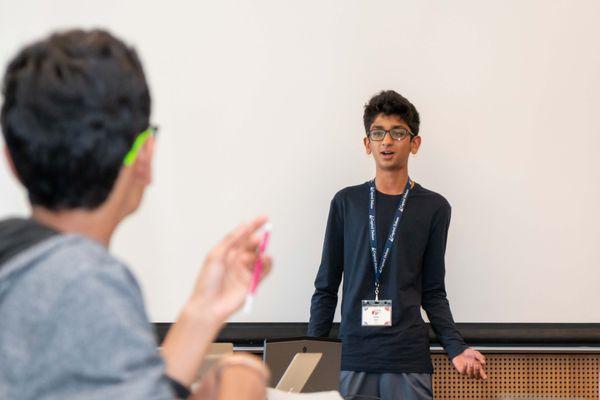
(223, 282)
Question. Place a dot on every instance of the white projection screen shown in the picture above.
(260, 107)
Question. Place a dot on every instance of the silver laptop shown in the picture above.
(297, 373)
(279, 354)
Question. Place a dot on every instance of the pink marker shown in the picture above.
(258, 267)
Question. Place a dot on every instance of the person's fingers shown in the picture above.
(237, 258)
(267, 265)
(477, 371)
(254, 226)
(250, 247)
(480, 357)
(458, 364)
(229, 240)
(252, 240)
(470, 370)
(247, 260)
(243, 232)
(483, 373)
(247, 361)
(241, 265)
(258, 223)
(241, 249)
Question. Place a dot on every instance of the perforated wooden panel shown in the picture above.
(521, 376)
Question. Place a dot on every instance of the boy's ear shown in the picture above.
(367, 143)
(143, 164)
(415, 144)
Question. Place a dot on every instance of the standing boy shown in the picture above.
(387, 238)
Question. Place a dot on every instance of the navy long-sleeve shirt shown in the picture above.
(412, 277)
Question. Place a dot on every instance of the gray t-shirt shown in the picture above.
(73, 326)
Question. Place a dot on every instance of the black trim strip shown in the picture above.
(480, 334)
(318, 339)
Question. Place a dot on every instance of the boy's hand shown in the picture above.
(471, 363)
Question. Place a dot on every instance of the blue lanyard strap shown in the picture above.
(378, 266)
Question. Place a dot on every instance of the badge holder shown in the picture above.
(376, 313)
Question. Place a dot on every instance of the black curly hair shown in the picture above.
(388, 102)
(73, 105)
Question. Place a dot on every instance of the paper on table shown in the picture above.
(274, 394)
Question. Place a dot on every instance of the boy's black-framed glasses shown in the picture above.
(378, 135)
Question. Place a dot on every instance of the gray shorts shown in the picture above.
(367, 386)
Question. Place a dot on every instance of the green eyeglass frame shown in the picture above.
(138, 143)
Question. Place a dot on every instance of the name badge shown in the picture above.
(376, 313)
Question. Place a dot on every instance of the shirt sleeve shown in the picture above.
(329, 276)
(435, 301)
(100, 344)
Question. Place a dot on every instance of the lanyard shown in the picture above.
(391, 236)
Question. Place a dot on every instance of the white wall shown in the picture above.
(260, 107)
